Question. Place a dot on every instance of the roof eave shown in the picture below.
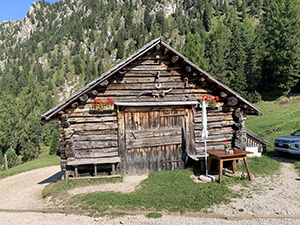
(48, 115)
(220, 85)
(52, 112)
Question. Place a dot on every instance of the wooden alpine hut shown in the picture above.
(144, 115)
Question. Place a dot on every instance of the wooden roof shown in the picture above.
(52, 112)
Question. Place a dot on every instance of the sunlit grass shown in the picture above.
(279, 117)
(263, 165)
(168, 190)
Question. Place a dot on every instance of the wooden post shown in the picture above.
(76, 171)
(113, 169)
(95, 170)
(121, 139)
(5, 162)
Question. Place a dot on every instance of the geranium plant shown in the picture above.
(211, 101)
(98, 104)
(226, 144)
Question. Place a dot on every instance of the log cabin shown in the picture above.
(152, 119)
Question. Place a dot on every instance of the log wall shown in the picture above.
(153, 77)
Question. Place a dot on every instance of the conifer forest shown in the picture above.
(252, 46)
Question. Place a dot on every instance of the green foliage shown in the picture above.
(219, 53)
(282, 34)
(207, 15)
(47, 139)
(43, 161)
(12, 158)
(55, 144)
(77, 64)
(194, 50)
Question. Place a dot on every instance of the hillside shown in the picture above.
(57, 49)
(280, 117)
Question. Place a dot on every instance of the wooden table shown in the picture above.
(222, 156)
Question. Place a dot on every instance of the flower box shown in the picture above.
(98, 106)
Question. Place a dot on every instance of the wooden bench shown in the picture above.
(94, 161)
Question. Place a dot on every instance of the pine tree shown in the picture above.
(194, 50)
(219, 52)
(100, 67)
(55, 145)
(282, 37)
(237, 55)
(207, 15)
(77, 65)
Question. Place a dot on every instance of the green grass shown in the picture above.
(297, 166)
(280, 117)
(44, 160)
(154, 215)
(173, 191)
(263, 165)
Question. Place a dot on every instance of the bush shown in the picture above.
(55, 145)
(12, 158)
(254, 97)
(47, 138)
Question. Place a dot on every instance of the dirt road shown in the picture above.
(267, 201)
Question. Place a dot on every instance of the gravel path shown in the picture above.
(273, 195)
(24, 190)
(267, 201)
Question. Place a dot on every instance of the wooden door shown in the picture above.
(154, 139)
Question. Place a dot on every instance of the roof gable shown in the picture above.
(157, 43)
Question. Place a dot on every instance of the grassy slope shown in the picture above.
(44, 160)
(280, 117)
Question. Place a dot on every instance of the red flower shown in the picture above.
(110, 99)
(107, 102)
(217, 98)
(208, 97)
(93, 105)
(112, 102)
(100, 103)
(96, 104)
(226, 141)
(99, 99)
(214, 100)
(201, 100)
(95, 100)
(203, 96)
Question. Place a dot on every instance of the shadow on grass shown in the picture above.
(272, 95)
(283, 157)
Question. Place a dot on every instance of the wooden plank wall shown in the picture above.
(92, 135)
(154, 139)
(219, 125)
